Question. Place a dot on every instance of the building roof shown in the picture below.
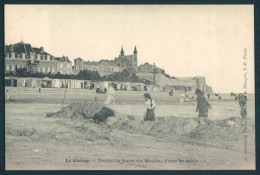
(107, 62)
(135, 50)
(22, 47)
(62, 59)
(19, 48)
(125, 58)
(91, 63)
(38, 51)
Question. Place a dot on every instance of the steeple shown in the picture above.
(135, 51)
(122, 51)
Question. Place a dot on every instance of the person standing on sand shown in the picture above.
(110, 95)
(219, 96)
(182, 97)
(187, 98)
(149, 108)
(202, 106)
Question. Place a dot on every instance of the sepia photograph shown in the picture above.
(129, 87)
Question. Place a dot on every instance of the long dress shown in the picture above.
(149, 110)
(181, 98)
(110, 96)
(202, 106)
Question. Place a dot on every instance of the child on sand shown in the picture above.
(149, 108)
(202, 106)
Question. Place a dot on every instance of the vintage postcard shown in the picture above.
(129, 87)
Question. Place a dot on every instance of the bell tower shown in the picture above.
(135, 56)
(122, 51)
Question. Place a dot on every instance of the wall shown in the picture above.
(64, 67)
(11, 64)
(48, 66)
(145, 75)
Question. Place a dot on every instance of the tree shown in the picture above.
(21, 72)
(88, 75)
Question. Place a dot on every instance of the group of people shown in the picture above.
(202, 106)
(184, 97)
(150, 105)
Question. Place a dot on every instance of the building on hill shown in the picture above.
(35, 60)
(157, 75)
(80, 65)
(127, 61)
(64, 65)
(103, 67)
(107, 67)
(146, 67)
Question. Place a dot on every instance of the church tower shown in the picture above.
(135, 56)
(135, 51)
(122, 51)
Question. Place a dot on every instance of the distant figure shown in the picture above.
(7, 97)
(208, 95)
(202, 106)
(110, 95)
(40, 89)
(242, 99)
(187, 99)
(218, 95)
(171, 92)
(182, 97)
(149, 108)
(233, 94)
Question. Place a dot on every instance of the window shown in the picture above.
(48, 69)
(12, 68)
(7, 67)
(43, 69)
(53, 69)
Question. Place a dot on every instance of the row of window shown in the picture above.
(11, 67)
(61, 66)
(14, 56)
(42, 69)
(126, 65)
(42, 57)
(48, 69)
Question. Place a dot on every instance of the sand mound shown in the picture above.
(220, 130)
(169, 128)
(82, 110)
(176, 127)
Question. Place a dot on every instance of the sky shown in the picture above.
(185, 40)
